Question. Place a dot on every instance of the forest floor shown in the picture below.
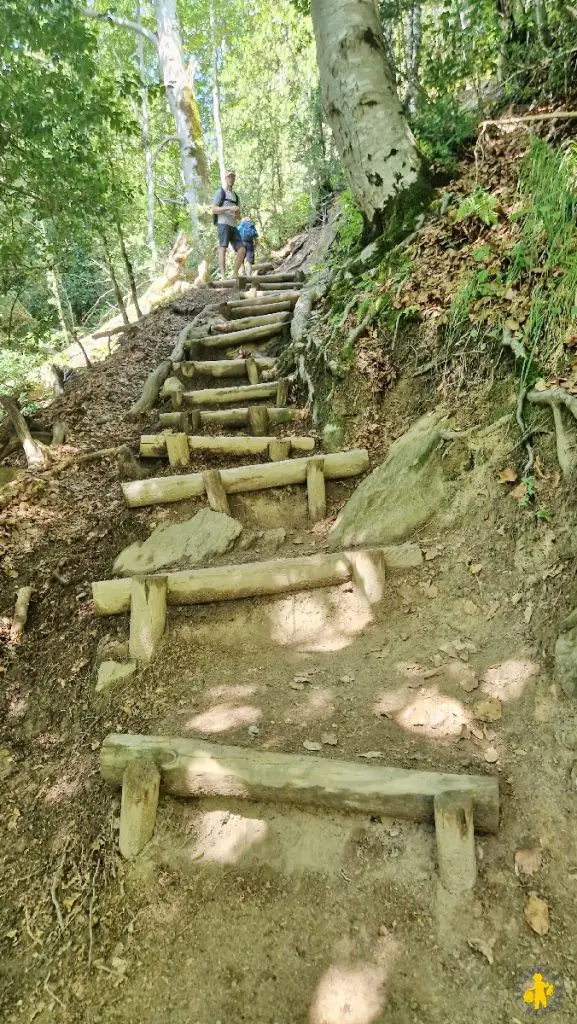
(257, 913)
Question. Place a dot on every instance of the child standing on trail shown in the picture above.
(249, 235)
(225, 214)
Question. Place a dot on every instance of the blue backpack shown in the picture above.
(247, 230)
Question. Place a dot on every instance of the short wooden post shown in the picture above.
(178, 450)
(147, 616)
(455, 832)
(316, 491)
(252, 371)
(279, 449)
(282, 392)
(140, 788)
(195, 421)
(215, 491)
(258, 420)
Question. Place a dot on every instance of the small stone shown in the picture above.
(312, 745)
(491, 755)
(489, 710)
(330, 739)
(470, 608)
(272, 540)
(253, 730)
(112, 672)
(346, 679)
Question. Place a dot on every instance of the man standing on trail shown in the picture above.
(226, 214)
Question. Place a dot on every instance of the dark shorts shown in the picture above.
(249, 252)
(229, 235)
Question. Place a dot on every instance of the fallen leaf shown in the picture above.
(475, 569)
(311, 745)
(330, 738)
(537, 915)
(508, 475)
(528, 862)
(489, 710)
(491, 755)
(493, 609)
(528, 613)
(470, 608)
(476, 731)
(518, 492)
(371, 755)
(483, 946)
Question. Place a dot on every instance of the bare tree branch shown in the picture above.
(133, 26)
(156, 153)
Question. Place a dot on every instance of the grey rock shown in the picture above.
(191, 542)
(272, 540)
(112, 672)
(332, 437)
(401, 494)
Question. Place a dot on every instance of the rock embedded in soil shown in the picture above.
(566, 656)
(401, 494)
(192, 542)
(112, 672)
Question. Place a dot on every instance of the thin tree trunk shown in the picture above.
(145, 135)
(216, 96)
(183, 105)
(114, 280)
(413, 52)
(129, 270)
(373, 138)
(56, 287)
(542, 22)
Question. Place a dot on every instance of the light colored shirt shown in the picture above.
(229, 200)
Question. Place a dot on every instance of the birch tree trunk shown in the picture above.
(374, 141)
(145, 135)
(216, 96)
(183, 105)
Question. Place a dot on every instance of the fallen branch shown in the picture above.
(20, 614)
(101, 453)
(550, 116)
(53, 887)
(150, 391)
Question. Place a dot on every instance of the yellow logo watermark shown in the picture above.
(539, 992)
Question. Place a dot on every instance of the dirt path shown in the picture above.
(248, 912)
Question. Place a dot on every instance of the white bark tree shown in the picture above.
(147, 149)
(216, 95)
(373, 138)
(178, 81)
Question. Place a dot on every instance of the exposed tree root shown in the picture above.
(557, 398)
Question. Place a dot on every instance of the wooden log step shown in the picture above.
(279, 287)
(250, 309)
(191, 767)
(236, 337)
(221, 367)
(158, 490)
(264, 267)
(224, 418)
(265, 299)
(222, 396)
(252, 579)
(281, 277)
(155, 445)
(248, 322)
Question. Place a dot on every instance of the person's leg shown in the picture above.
(223, 240)
(249, 260)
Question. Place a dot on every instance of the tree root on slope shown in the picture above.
(557, 398)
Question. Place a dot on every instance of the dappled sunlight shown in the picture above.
(224, 717)
(507, 680)
(316, 622)
(355, 993)
(223, 837)
(314, 707)
(230, 692)
(428, 712)
(63, 790)
(208, 776)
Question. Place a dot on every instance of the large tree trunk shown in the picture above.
(216, 96)
(182, 101)
(372, 136)
(145, 134)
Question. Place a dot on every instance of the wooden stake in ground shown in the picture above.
(178, 450)
(215, 492)
(316, 490)
(20, 614)
(140, 789)
(36, 455)
(258, 419)
(455, 832)
(190, 767)
(280, 448)
(147, 616)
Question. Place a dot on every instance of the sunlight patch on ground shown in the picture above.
(508, 680)
(354, 993)
(314, 707)
(314, 622)
(230, 692)
(428, 712)
(224, 717)
(63, 790)
(223, 837)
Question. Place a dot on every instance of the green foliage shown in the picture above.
(481, 205)
(443, 128)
